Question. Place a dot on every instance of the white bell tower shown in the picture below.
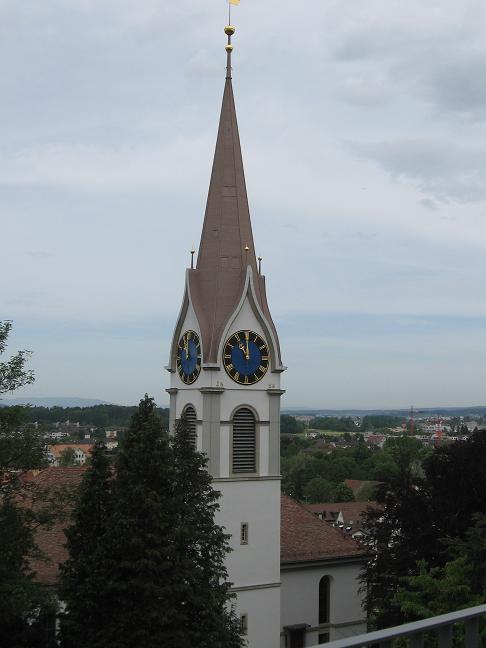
(225, 369)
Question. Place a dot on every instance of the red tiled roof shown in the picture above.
(352, 511)
(303, 536)
(57, 448)
(306, 538)
(51, 540)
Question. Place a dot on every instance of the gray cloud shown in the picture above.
(448, 172)
(41, 254)
(107, 130)
(440, 60)
(457, 83)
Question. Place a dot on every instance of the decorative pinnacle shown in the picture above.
(260, 265)
(229, 30)
(192, 257)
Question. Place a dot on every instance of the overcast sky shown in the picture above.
(363, 128)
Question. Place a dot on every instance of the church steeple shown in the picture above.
(226, 249)
(225, 380)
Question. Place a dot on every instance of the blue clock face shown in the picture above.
(245, 357)
(188, 360)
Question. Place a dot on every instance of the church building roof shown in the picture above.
(50, 539)
(306, 538)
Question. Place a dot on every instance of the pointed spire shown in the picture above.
(226, 248)
(227, 239)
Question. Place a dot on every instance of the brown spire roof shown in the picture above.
(226, 248)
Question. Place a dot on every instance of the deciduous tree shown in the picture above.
(319, 489)
(343, 493)
(419, 510)
(23, 602)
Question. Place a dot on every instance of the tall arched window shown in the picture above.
(324, 599)
(191, 420)
(244, 441)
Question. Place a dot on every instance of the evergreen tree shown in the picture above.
(138, 548)
(206, 619)
(83, 574)
(146, 564)
(20, 596)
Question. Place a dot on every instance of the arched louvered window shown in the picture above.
(191, 422)
(244, 441)
(324, 599)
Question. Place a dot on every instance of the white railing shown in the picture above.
(442, 625)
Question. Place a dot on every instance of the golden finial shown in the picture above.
(260, 264)
(192, 257)
(246, 248)
(229, 30)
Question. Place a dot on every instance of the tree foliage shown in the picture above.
(67, 458)
(459, 584)
(24, 604)
(21, 447)
(318, 490)
(97, 415)
(83, 574)
(149, 571)
(379, 421)
(426, 515)
(343, 493)
(13, 372)
(290, 425)
(201, 548)
(337, 423)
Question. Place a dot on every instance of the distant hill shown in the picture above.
(475, 410)
(54, 401)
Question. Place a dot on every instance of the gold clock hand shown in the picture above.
(247, 338)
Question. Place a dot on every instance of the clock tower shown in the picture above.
(225, 367)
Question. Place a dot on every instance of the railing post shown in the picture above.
(472, 633)
(417, 641)
(445, 636)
